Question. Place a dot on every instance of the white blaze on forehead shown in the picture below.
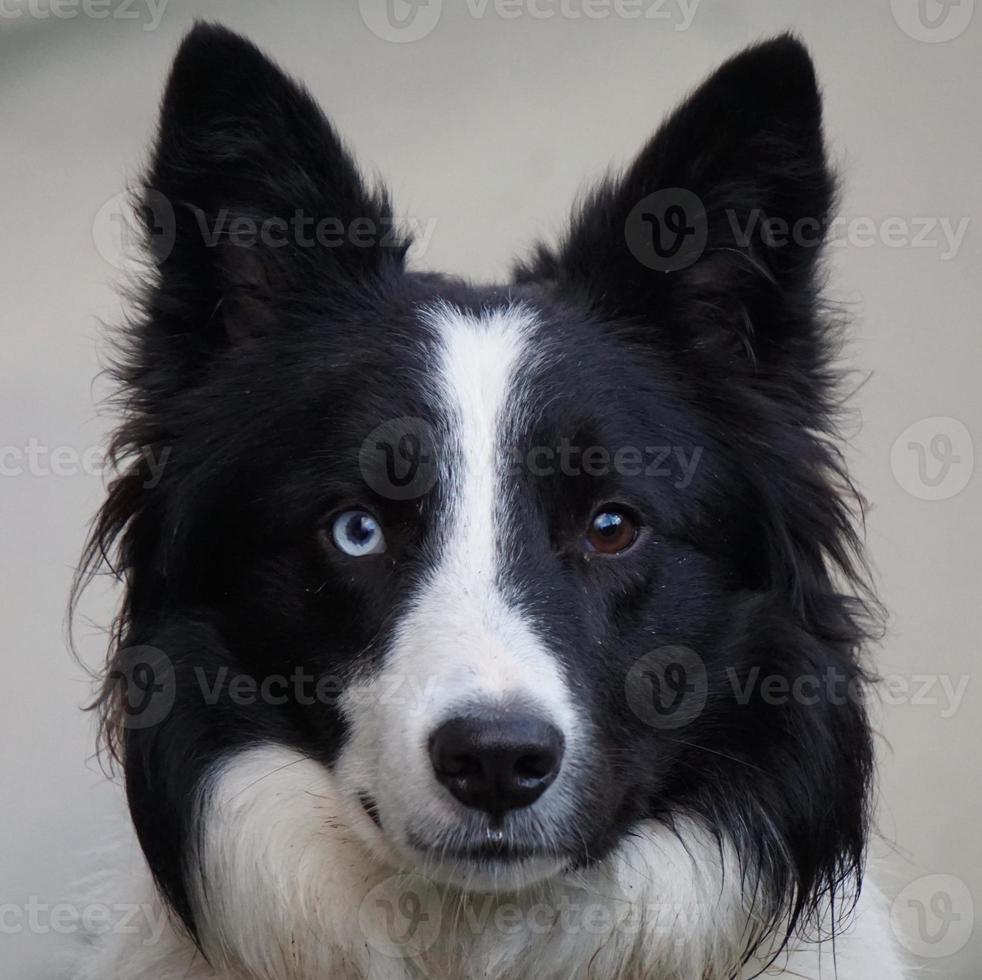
(479, 387)
(484, 364)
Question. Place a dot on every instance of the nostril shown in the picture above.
(496, 761)
(459, 764)
(535, 765)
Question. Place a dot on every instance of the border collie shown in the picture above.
(488, 631)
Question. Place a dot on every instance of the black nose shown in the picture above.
(496, 761)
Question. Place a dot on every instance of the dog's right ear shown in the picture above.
(253, 208)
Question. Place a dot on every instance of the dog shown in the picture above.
(489, 631)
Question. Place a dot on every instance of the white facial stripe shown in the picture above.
(480, 358)
(464, 640)
(490, 650)
(479, 369)
(481, 375)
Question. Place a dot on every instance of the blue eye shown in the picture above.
(357, 533)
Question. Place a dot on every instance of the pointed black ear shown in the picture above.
(713, 234)
(253, 207)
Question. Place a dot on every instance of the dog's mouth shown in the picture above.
(493, 848)
(476, 856)
(488, 845)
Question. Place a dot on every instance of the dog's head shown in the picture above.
(517, 567)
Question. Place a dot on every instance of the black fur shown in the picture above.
(260, 370)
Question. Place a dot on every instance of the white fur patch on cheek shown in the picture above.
(278, 879)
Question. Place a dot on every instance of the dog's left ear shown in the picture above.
(712, 236)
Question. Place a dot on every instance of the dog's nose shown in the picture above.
(496, 761)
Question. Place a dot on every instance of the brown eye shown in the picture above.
(611, 532)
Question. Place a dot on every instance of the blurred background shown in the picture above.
(487, 117)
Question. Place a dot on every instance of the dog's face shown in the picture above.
(510, 563)
(498, 518)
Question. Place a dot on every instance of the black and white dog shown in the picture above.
(489, 632)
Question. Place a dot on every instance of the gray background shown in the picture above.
(486, 127)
